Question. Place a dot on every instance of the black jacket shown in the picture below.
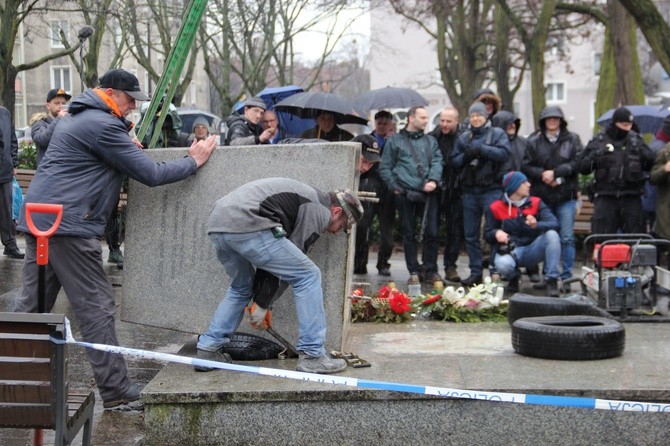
(446, 144)
(242, 132)
(9, 147)
(561, 157)
(619, 160)
(517, 143)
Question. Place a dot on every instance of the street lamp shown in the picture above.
(84, 33)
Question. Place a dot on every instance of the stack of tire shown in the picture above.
(550, 328)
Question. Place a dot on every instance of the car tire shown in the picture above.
(568, 337)
(525, 305)
(248, 347)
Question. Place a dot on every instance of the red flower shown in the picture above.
(431, 299)
(357, 292)
(384, 292)
(399, 302)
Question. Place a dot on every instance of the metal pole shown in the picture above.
(81, 64)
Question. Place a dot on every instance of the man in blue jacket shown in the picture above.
(523, 231)
(89, 154)
(479, 156)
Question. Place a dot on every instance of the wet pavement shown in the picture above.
(110, 428)
(127, 427)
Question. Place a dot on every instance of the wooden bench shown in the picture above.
(25, 176)
(583, 219)
(33, 379)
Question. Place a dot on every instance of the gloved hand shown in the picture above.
(472, 152)
(259, 317)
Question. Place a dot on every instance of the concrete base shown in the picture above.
(223, 407)
(360, 420)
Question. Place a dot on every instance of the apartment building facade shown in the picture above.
(39, 35)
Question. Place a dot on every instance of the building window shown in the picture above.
(597, 61)
(555, 92)
(56, 27)
(61, 77)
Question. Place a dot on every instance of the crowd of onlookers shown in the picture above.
(451, 177)
(457, 174)
(476, 176)
(512, 200)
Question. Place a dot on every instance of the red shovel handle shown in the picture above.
(43, 236)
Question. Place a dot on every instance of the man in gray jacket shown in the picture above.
(42, 124)
(8, 162)
(271, 224)
(89, 153)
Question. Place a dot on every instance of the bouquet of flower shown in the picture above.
(389, 305)
(482, 302)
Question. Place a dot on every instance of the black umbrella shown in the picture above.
(310, 105)
(649, 118)
(389, 97)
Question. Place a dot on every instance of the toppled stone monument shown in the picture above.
(172, 278)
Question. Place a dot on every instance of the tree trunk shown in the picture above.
(653, 26)
(607, 85)
(629, 86)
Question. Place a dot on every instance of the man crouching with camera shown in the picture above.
(523, 231)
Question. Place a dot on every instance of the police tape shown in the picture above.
(519, 398)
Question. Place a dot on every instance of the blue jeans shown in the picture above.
(240, 255)
(410, 214)
(546, 247)
(565, 212)
(475, 204)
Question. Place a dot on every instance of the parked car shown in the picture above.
(23, 134)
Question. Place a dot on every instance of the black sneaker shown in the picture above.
(130, 395)
(361, 271)
(513, 285)
(534, 276)
(385, 272)
(471, 281)
(14, 253)
(211, 356)
(540, 286)
(552, 288)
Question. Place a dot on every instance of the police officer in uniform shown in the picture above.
(619, 157)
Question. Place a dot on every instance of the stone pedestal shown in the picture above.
(172, 278)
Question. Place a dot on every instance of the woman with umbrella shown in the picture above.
(326, 128)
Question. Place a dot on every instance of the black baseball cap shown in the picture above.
(119, 79)
(370, 147)
(55, 92)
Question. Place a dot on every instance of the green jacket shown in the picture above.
(661, 179)
(398, 166)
